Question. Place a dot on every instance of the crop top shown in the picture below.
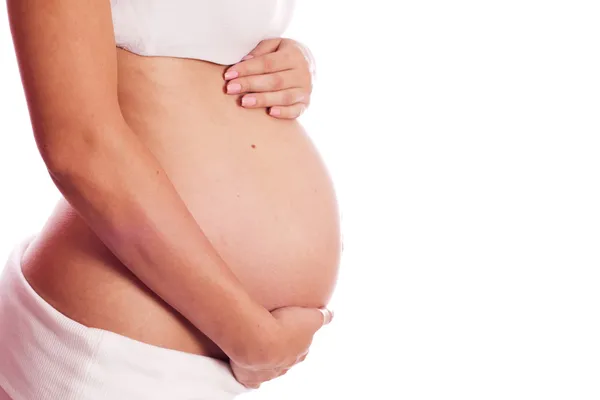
(219, 31)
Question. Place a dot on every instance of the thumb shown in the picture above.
(303, 319)
(327, 315)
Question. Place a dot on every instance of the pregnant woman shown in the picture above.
(197, 240)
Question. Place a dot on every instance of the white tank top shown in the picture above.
(219, 31)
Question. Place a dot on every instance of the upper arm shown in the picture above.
(67, 59)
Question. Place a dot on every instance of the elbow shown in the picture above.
(76, 168)
(57, 162)
(64, 160)
(75, 153)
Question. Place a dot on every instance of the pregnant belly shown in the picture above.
(256, 186)
(262, 197)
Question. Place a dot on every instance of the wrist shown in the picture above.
(259, 346)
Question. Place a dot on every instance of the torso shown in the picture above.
(256, 185)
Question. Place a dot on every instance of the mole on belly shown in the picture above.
(253, 146)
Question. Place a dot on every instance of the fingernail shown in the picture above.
(275, 112)
(248, 57)
(234, 88)
(231, 74)
(248, 101)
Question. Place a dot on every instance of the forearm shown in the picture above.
(67, 59)
(120, 190)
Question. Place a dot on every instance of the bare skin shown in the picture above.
(184, 212)
(256, 185)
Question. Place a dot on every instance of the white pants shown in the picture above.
(44, 355)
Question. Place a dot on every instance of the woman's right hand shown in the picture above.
(296, 327)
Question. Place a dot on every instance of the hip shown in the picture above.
(65, 359)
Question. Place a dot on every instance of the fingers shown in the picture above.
(250, 378)
(308, 57)
(276, 75)
(279, 98)
(252, 385)
(253, 379)
(268, 83)
(302, 358)
(296, 328)
(256, 379)
(327, 315)
(264, 47)
(303, 321)
(288, 112)
(268, 63)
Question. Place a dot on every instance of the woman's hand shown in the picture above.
(296, 328)
(253, 378)
(278, 75)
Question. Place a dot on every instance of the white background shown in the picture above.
(464, 140)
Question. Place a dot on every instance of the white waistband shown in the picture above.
(44, 355)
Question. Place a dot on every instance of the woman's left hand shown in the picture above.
(278, 75)
(253, 378)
